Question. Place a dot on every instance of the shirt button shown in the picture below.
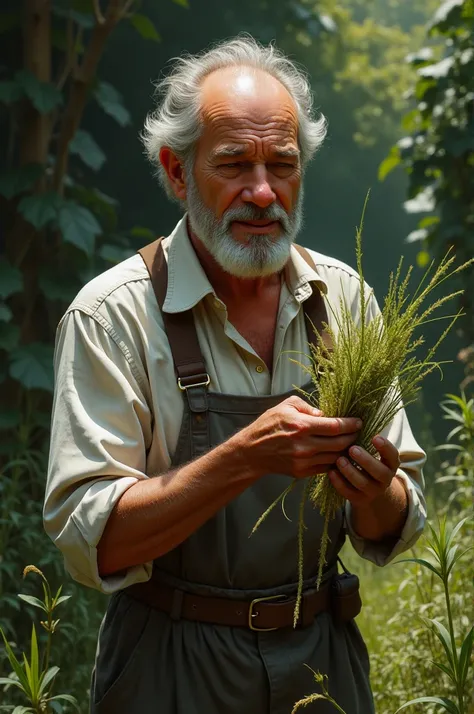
(259, 368)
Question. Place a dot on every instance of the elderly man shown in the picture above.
(175, 424)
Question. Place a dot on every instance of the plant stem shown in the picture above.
(459, 692)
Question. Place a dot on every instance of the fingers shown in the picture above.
(333, 426)
(388, 452)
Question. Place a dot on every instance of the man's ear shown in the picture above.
(175, 172)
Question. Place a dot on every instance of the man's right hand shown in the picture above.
(294, 438)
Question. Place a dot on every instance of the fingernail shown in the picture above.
(342, 462)
(379, 441)
(355, 451)
(359, 424)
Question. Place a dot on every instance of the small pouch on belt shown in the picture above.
(345, 597)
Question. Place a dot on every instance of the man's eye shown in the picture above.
(232, 166)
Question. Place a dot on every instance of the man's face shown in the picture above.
(243, 186)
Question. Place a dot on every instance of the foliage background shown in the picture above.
(76, 199)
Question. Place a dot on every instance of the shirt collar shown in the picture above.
(188, 284)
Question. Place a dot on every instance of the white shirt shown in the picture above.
(117, 409)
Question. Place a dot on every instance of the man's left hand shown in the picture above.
(363, 487)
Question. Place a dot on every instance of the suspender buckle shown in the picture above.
(205, 383)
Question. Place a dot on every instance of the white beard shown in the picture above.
(260, 255)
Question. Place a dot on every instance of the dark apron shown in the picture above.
(148, 663)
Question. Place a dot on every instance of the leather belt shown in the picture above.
(260, 614)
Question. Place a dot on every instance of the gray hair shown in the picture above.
(176, 122)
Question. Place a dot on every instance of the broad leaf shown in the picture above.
(23, 710)
(10, 92)
(11, 279)
(61, 599)
(145, 27)
(447, 704)
(85, 146)
(44, 96)
(16, 181)
(111, 102)
(388, 164)
(9, 680)
(47, 678)
(41, 208)
(78, 226)
(65, 698)
(31, 600)
(32, 366)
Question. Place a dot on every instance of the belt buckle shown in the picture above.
(255, 614)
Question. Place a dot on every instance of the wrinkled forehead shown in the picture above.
(241, 104)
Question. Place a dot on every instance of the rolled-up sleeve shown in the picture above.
(101, 425)
(412, 459)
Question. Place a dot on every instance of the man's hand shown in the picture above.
(363, 486)
(295, 439)
(378, 497)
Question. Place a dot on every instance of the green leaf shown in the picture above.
(18, 180)
(10, 92)
(422, 562)
(465, 656)
(41, 208)
(78, 226)
(443, 636)
(447, 704)
(9, 680)
(422, 258)
(11, 279)
(10, 419)
(31, 600)
(447, 670)
(61, 599)
(65, 698)
(5, 313)
(183, 3)
(85, 146)
(32, 366)
(23, 710)
(14, 663)
(47, 677)
(34, 662)
(112, 103)
(44, 96)
(388, 164)
(145, 27)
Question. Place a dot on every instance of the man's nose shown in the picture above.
(258, 189)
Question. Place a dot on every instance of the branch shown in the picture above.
(82, 81)
(100, 19)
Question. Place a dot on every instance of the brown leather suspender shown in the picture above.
(180, 327)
